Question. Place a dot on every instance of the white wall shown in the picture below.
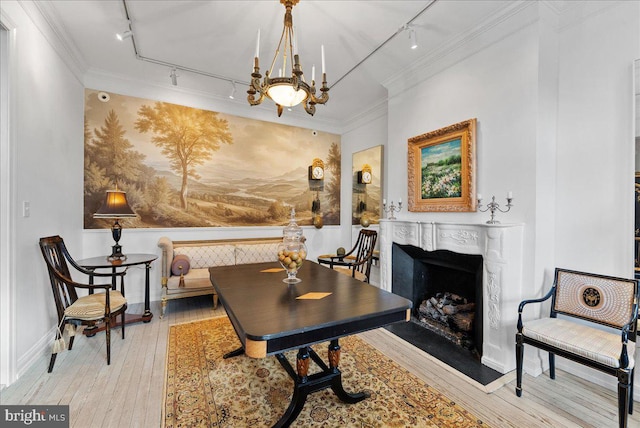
(498, 86)
(595, 151)
(553, 101)
(46, 139)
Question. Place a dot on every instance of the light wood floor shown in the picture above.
(128, 393)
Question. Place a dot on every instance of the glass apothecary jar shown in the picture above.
(292, 251)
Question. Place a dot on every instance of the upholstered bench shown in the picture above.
(185, 264)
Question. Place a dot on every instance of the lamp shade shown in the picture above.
(115, 205)
(286, 95)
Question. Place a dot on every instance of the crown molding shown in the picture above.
(374, 112)
(44, 17)
(513, 16)
(571, 13)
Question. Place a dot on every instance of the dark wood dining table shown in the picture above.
(271, 317)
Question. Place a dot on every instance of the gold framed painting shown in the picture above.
(441, 169)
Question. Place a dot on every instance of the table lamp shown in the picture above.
(115, 206)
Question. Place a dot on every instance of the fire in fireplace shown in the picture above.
(446, 291)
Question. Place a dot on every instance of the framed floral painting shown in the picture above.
(441, 169)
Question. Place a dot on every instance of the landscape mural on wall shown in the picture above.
(187, 167)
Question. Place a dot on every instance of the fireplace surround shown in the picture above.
(501, 248)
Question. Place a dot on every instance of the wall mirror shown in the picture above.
(366, 205)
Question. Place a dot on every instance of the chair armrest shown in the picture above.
(526, 302)
(69, 281)
(166, 245)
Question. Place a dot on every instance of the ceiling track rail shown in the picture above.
(166, 63)
(228, 79)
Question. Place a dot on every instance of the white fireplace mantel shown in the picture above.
(501, 246)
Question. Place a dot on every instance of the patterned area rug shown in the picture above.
(204, 390)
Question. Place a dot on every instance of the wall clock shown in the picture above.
(364, 175)
(316, 170)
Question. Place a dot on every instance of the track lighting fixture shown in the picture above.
(174, 77)
(125, 35)
(412, 38)
(232, 95)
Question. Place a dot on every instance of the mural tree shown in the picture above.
(187, 137)
(109, 160)
(112, 153)
(333, 165)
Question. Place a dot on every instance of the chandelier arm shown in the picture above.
(310, 107)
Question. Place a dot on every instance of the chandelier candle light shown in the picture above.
(287, 91)
(493, 206)
(391, 209)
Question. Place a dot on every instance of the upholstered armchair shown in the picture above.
(592, 322)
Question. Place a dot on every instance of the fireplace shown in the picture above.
(446, 291)
(499, 250)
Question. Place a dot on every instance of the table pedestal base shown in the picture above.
(329, 377)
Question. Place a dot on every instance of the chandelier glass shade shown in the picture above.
(286, 91)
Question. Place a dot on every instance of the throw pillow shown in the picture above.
(180, 264)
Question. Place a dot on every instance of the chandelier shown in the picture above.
(286, 91)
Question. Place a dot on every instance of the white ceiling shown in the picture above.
(219, 38)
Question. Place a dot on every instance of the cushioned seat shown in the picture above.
(91, 307)
(594, 344)
(195, 279)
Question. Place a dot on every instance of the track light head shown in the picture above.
(412, 38)
(125, 35)
(174, 77)
(232, 95)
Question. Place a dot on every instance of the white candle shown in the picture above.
(279, 72)
(384, 202)
(400, 201)
(258, 45)
(479, 197)
(313, 73)
(322, 52)
(510, 195)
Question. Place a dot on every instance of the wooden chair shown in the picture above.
(361, 255)
(608, 301)
(94, 307)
